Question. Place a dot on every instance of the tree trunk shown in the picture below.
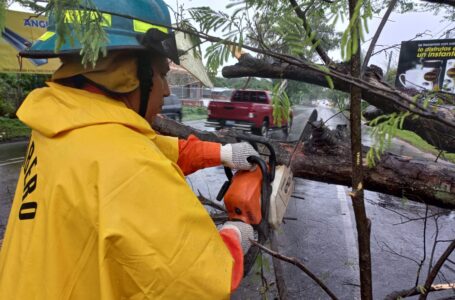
(357, 194)
(447, 2)
(326, 158)
(433, 131)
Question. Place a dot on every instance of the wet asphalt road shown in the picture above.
(324, 236)
(11, 158)
(321, 229)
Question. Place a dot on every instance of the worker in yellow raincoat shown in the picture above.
(102, 209)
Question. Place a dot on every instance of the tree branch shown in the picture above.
(447, 2)
(205, 201)
(436, 269)
(377, 34)
(429, 286)
(414, 291)
(418, 35)
(301, 14)
(300, 265)
(422, 261)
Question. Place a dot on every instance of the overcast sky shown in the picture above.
(401, 27)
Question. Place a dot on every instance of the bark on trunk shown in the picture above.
(447, 2)
(326, 158)
(357, 194)
(433, 131)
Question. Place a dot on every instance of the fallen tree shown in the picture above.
(436, 128)
(326, 157)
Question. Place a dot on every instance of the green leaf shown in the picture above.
(235, 4)
(365, 24)
(335, 20)
(237, 11)
(329, 82)
(360, 30)
(323, 68)
(344, 42)
(403, 118)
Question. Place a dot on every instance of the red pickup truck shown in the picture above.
(248, 110)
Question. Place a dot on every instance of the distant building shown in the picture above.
(221, 94)
(217, 94)
(183, 83)
(192, 91)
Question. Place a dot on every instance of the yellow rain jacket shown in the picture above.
(102, 211)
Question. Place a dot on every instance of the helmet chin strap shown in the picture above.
(145, 76)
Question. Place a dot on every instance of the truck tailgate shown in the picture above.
(230, 110)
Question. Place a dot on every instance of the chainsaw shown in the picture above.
(258, 197)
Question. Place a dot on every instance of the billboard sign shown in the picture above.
(427, 65)
(21, 30)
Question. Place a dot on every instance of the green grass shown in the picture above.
(418, 142)
(12, 128)
(190, 113)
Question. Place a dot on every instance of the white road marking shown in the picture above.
(11, 161)
(350, 236)
(14, 158)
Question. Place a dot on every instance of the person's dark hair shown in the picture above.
(145, 76)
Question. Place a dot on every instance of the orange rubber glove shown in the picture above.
(195, 154)
(231, 239)
(235, 234)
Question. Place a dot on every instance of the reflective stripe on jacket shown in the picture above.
(102, 211)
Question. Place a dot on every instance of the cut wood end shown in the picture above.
(237, 51)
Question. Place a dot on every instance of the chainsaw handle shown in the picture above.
(250, 159)
(272, 160)
(254, 140)
(258, 161)
(228, 173)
